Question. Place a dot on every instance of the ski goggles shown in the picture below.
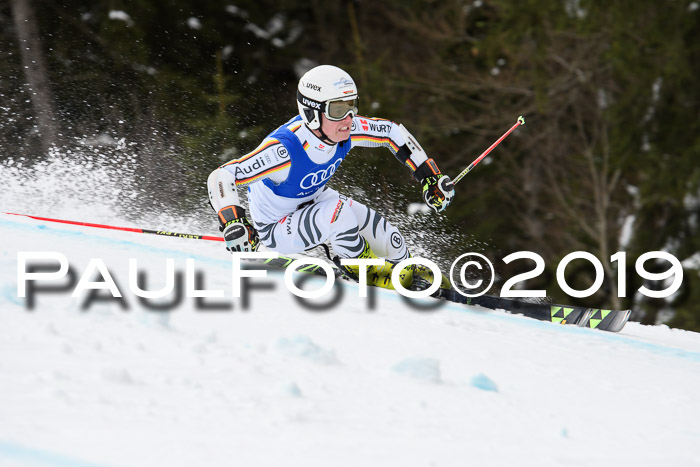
(335, 109)
(338, 109)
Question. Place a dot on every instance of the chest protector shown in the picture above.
(305, 176)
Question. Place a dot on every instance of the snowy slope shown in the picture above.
(281, 385)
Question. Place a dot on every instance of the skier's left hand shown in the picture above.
(438, 191)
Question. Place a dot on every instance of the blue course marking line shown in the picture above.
(598, 334)
(32, 457)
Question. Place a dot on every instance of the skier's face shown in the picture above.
(337, 131)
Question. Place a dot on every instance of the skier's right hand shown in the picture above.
(239, 234)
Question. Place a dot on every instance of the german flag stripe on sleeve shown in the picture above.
(375, 119)
(277, 168)
(262, 147)
(375, 139)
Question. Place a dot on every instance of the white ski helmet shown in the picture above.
(327, 90)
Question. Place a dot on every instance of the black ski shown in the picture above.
(594, 318)
(607, 320)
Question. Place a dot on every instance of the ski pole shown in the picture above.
(521, 121)
(124, 229)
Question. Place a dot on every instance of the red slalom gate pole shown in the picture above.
(164, 233)
(521, 121)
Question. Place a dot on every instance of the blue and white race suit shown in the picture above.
(289, 203)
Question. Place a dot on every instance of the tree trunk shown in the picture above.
(35, 72)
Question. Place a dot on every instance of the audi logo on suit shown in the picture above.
(319, 177)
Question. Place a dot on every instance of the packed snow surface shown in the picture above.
(280, 384)
(272, 382)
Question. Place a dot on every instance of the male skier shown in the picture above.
(292, 209)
